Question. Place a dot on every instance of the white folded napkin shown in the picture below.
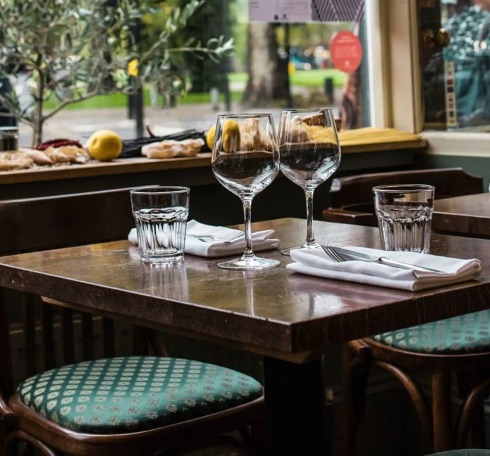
(224, 245)
(316, 262)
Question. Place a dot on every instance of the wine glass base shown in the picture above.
(251, 263)
(311, 245)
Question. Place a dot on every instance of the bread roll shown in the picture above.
(14, 160)
(172, 148)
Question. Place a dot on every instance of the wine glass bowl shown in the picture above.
(245, 160)
(310, 154)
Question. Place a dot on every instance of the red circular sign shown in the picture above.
(346, 52)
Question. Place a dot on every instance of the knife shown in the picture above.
(352, 255)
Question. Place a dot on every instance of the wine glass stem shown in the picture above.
(247, 216)
(310, 238)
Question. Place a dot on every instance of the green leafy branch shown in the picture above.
(73, 50)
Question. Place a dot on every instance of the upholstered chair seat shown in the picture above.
(472, 452)
(136, 393)
(469, 333)
(136, 405)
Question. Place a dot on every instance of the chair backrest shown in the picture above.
(42, 336)
(352, 196)
(65, 220)
(347, 191)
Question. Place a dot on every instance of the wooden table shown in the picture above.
(468, 215)
(289, 318)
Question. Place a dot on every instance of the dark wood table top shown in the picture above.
(468, 215)
(274, 312)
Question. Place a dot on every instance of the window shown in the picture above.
(456, 78)
(305, 68)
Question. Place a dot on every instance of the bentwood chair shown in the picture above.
(109, 401)
(455, 350)
(351, 197)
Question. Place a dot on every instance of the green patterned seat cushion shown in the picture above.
(464, 334)
(129, 394)
(472, 452)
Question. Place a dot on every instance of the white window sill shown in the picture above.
(457, 143)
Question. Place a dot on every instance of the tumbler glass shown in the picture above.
(161, 219)
(404, 215)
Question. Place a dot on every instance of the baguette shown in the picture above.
(171, 148)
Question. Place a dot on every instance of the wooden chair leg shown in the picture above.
(156, 343)
(17, 437)
(139, 340)
(67, 331)
(88, 351)
(418, 400)
(477, 427)
(108, 338)
(471, 414)
(356, 365)
(347, 443)
(257, 440)
(441, 410)
(48, 339)
(29, 324)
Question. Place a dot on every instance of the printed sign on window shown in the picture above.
(346, 52)
(284, 11)
(279, 10)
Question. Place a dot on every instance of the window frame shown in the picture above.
(395, 79)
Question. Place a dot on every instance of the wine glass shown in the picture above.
(245, 160)
(310, 154)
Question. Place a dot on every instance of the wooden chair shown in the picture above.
(352, 196)
(439, 349)
(45, 421)
(52, 222)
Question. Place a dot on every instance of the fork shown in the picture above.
(212, 237)
(339, 258)
(333, 254)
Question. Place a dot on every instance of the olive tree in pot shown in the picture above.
(72, 50)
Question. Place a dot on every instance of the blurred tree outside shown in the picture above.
(215, 18)
(267, 72)
(73, 50)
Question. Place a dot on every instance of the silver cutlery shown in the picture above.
(339, 255)
(212, 237)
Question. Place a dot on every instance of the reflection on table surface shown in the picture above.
(270, 311)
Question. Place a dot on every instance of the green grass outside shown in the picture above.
(311, 78)
(118, 100)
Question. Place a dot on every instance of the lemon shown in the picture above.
(210, 137)
(231, 136)
(104, 145)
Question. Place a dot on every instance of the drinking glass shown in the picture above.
(245, 160)
(310, 154)
(404, 216)
(160, 213)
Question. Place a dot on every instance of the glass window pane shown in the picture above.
(456, 78)
(291, 65)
